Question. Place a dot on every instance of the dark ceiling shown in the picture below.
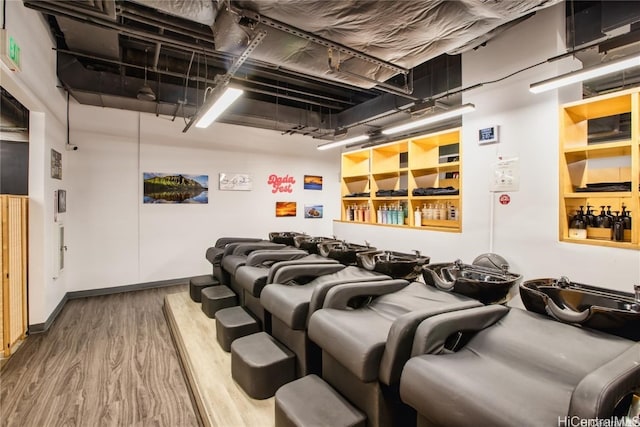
(321, 66)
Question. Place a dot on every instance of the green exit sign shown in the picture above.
(11, 53)
(14, 51)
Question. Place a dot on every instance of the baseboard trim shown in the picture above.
(39, 328)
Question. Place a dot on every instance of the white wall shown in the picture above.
(35, 88)
(526, 230)
(114, 239)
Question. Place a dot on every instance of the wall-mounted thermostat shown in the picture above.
(488, 135)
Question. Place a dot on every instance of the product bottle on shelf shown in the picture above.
(443, 211)
(453, 212)
(617, 231)
(425, 211)
(360, 214)
(417, 218)
(385, 216)
(367, 214)
(379, 218)
(600, 219)
(626, 217)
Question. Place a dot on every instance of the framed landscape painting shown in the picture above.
(175, 188)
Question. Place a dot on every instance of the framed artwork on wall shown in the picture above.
(235, 181)
(312, 182)
(175, 188)
(313, 211)
(286, 209)
(56, 164)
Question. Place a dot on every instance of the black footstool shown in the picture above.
(309, 401)
(198, 283)
(233, 323)
(260, 365)
(216, 298)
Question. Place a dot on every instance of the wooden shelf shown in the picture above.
(599, 195)
(583, 163)
(410, 163)
(598, 151)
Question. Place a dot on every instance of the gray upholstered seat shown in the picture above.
(264, 266)
(215, 253)
(291, 304)
(520, 369)
(364, 349)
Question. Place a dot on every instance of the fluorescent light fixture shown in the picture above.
(585, 74)
(227, 98)
(335, 144)
(454, 112)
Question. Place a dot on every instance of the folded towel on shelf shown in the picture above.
(358, 195)
(402, 192)
(605, 187)
(435, 191)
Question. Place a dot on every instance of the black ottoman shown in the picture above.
(216, 298)
(260, 365)
(309, 401)
(198, 283)
(233, 323)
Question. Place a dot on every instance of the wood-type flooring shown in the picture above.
(106, 361)
(221, 402)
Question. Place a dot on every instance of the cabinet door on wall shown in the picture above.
(13, 264)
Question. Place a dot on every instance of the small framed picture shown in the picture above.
(62, 201)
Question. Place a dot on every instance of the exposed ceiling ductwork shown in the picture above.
(322, 66)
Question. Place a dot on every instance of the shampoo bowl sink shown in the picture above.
(610, 311)
(487, 285)
(310, 243)
(397, 265)
(284, 237)
(343, 252)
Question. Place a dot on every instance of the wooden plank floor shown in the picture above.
(220, 400)
(107, 360)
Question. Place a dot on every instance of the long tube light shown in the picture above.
(335, 144)
(454, 112)
(223, 102)
(585, 74)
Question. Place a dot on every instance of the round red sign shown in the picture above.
(504, 199)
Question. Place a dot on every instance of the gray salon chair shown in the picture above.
(267, 267)
(519, 369)
(364, 349)
(214, 254)
(235, 255)
(291, 301)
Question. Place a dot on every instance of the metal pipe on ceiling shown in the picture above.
(202, 79)
(158, 21)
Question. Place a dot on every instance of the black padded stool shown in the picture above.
(260, 365)
(233, 323)
(216, 298)
(198, 283)
(309, 401)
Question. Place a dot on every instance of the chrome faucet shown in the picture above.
(563, 282)
(636, 288)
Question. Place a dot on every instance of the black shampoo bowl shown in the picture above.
(607, 310)
(284, 237)
(310, 243)
(487, 285)
(397, 265)
(343, 252)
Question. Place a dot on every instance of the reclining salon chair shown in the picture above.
(215, 253)
(365, 347)
(517, 368)
(292, 298)
(268, 266)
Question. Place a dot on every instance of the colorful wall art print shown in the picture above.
(286, 209)
(235, 181)
(313, 211)
(175, 188)
(312, 182)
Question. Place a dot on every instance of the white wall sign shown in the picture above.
(505, 175)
